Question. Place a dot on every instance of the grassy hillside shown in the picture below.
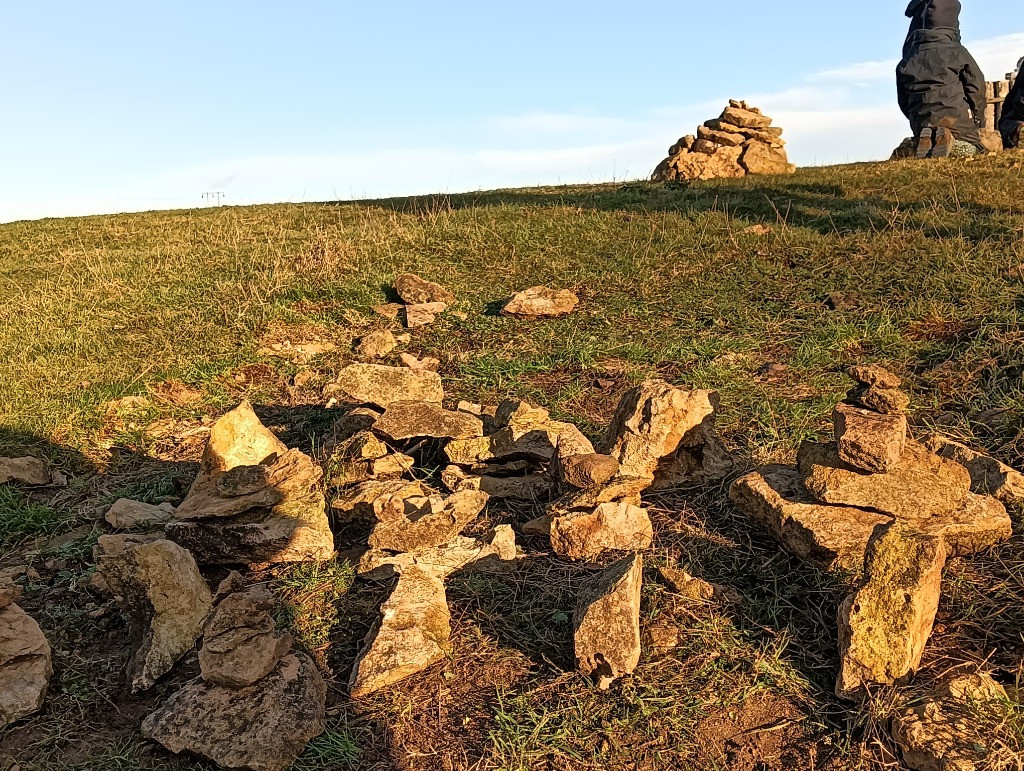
(918, 265)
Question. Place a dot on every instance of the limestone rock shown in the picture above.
(527, 487)
(27, 471)
(254, 500)
(874, 375)
(380, 385)
(745, 118)
(9, 591)
(591, 470)
(869, 440)
(25, 665)
(724, 163)
(651, 422)
(701, 458)
(921, 485)
(831, 536)
(413, 632)
(421, 314)
(415, 290)
(240, 641)
(718, 137)
(693, 588)
(426, 523)
(540, 302)
(519, 416)
(981, 522)
(494, 552)
(988, 475)
(536, 443)
(163, 598)
(888, 401)
(761, 158)
(262, 727)
(942, 733)
(606, 624)
(618, 490)
(376, 344)
(584, 535)
(427, 363)
(412, 420)
(885, 624)
(126, 514)
(358, 502)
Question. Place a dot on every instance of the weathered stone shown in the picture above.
(9, 591)
(388, 310)
(27, 471)
(414, 420)
(921, 485)
(724, 138)
(376, 384)
(885, 624)
(413, 632)
(745, 118)
(831, 536)
(421, 314)
(427, 363)
(606, 624)
(540, 302)
(358, 502)
(25, 665)
(414, 290)
(888, 401)
(126, 514)
(494, 552)
(700, 459)
(241, 643)
(705, 146)
(376, 344)
(618, 490)
(943, 732)
(520, 416)
(988, 475)
(651, 422)
(262, 727)
(981, 522)
(685, 585)
(591, 470)
(540, 526)
(874, 375)
(536, 443)
(723, 164)
(163, 597)
(584, 535)
(529, 487)
(761, 158)
(254, 500)
(428, 522)
(869, 440)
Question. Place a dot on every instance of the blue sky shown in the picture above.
(116, 106)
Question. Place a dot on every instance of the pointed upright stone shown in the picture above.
(606, 624)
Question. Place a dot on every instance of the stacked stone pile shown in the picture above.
(881, 505)
(740, 141)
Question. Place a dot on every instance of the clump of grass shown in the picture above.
(21, 517)
(339, 747)
(309, 593)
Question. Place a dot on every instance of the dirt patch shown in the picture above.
(762, 733)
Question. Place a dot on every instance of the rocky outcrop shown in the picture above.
(606, 624)
(254, 501)
(25, 662)
(414, 631)
(740, 141)
(162, 596)
(540, 302)
(261, 727)
(885, 623)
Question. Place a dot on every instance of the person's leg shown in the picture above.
(925, 142)
(1011, 135)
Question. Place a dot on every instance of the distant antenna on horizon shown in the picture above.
(213, 198)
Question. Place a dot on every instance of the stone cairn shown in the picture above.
(740, 141)
(883, 507)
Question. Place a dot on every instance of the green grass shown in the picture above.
(929, 256)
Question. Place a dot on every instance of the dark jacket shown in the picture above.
(1013, 111)
(939, 84)
(931, 14)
